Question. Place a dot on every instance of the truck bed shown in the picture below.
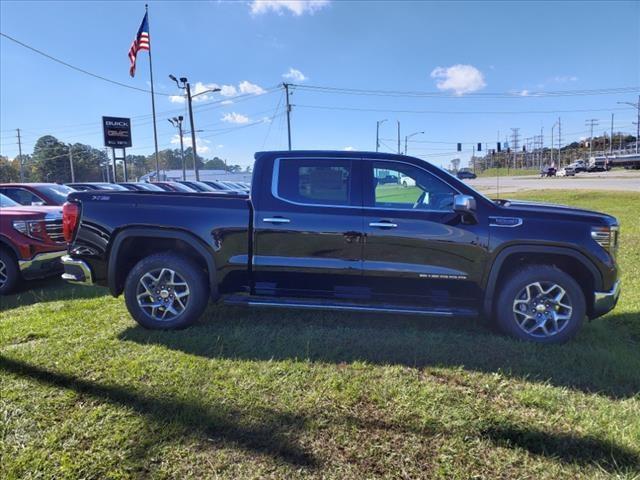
(218, 223)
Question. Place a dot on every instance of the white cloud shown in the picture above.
(349, 149)
(202, 144)
(295, 75)
(296, 7)
(460, 79)
(234, 117)
(524, 93)
(199, 88)
(565, 78)
(248, 87)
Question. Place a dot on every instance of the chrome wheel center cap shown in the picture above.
(540, 308)
(164, 293)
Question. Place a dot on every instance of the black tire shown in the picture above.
(514, 289)
(9, 272)
(185, 270)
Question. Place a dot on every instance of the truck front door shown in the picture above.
(417, 249)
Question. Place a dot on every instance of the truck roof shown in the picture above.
(354, 154)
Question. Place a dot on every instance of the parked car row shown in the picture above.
(31, 242)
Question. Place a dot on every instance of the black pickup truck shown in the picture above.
(326, 230)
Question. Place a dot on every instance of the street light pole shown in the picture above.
(378, 123)
(187, 87)
(177, 122)
(637, 107)
(406, 139)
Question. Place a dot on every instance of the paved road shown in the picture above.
(615, 180)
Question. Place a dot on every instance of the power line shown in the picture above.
(78, 69)
(454, 112)
(413, 94)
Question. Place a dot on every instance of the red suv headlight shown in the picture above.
(70, 219)
(31, 228)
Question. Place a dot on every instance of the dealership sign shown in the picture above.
(117, 132)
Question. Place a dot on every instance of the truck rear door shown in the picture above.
(308, 229)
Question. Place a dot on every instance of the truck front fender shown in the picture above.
(494, 271)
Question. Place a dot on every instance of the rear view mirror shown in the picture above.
(464, 203)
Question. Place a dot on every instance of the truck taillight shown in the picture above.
(70, 218)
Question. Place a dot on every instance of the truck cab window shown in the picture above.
(403, 186)
(315, 181)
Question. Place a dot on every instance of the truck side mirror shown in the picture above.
(464, 204)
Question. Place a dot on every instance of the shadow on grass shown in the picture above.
(603, 359)
(271, 437)
(276, 433)
(566, 447)
(47, 290)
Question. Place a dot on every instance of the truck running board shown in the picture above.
(316, 304)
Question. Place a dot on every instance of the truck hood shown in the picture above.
(532, 208)
(31, 212)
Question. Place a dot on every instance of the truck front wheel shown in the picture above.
(542, 304)
(9, 273)
(166, 291)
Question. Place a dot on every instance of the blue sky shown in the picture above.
(461, 50)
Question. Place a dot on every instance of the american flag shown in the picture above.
(141, 42)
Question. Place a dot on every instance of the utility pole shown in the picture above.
(515, 138)
(73, 175)
(378, 123)
(559, 144)
(20, 156)
(611, 137)
(177, 122)
(592, 122)
(286, 89)
(398, 137)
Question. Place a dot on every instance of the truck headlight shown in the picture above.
(606, 237)
(30, 228)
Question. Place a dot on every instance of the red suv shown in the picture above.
(31, 242)
(36, 193)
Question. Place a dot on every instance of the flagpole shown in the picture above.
(153, 99)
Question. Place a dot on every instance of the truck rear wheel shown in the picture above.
(542, 304)
(166, 291)
(9, 274)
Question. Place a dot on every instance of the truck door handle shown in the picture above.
(383, 224)
(276, 220)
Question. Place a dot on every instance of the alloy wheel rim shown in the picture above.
(163, 294)
(542, 309)
(4, 276)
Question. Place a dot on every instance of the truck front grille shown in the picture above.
(54, 230)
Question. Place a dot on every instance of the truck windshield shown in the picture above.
(57, 192)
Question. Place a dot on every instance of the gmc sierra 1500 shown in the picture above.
(327, 230)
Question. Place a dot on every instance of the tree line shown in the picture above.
(50, 162)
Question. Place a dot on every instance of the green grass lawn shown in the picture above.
(85, 393)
